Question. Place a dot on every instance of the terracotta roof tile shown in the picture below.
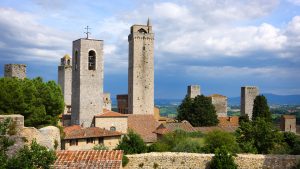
(109, 113)
(216, 95)
(170, 127)
(144, 125)
(73, 132)
(88, 159)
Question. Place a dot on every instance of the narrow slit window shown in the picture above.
(76, 60)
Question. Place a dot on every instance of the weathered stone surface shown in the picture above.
(248, 94)
(193, 91)
(141, 70)
(65, 80)
(87, 84)
(15, 70)
(169, 160)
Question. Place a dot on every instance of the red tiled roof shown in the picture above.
(109, 113)
(76, 131)
(88, 159)
(170, 127)
(144, 125)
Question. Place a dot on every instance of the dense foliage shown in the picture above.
(261, 109)
(258, 136)
(132, 143)
(100, 147)
(223, 160)
(198, 111)
(39, 102)
(179, 141)
(30, 157)
(217, 139)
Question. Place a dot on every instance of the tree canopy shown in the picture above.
(198, 111)
(39, 102)
(261, 108)
(132, 143)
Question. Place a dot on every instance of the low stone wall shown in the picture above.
(169, 160)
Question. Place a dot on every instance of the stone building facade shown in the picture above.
(220, 103)
(110, 120)
(65, 81)
(288, 123)
(193, 91)
(87, 81)
(141, 70)
(248, 94)
(15, 70)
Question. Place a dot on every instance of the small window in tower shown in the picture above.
(92, 60)
(142, 30)
(69, 62)
(76, 60)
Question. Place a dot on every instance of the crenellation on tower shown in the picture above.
(15, 70)
(141, 70)
(248, 94)
(87, 81)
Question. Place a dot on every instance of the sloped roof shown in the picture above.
(289, 116)
(85, 159)
(216, 95)
(170, 127)
(74, 132)
(109, 113)
(144, 125)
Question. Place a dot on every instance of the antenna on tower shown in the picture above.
(87, 31)
(148, 22)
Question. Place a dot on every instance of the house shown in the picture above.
(112, 121)
(85, 159)
(78, 138)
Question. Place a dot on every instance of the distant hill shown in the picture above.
(272, 99)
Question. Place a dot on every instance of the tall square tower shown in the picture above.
(141, 70)
(193, 91)
(248, 94)
(65, 79)
(87, 81)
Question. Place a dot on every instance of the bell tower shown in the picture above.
(141, 69)
(87, 81)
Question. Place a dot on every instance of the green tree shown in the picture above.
(261, 108)
(40, 103)
(198, 111)
(32, 157)
(100, 147)
(132, 143)
(217, 139)
(223, 159)
(258, 136)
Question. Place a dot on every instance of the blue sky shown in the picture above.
(220, 45)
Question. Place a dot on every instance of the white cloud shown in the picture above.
(295, 2)
(25, 38)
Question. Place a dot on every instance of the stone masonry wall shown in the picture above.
(248, 94)
(169, 160)
(193, 91)
(15, 70)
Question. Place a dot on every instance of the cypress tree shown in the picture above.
(261, 109)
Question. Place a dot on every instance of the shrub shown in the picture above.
(217, 139)
(222, 159)
(125, 160)
(100, 147)
(132, 143)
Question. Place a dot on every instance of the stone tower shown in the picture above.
(65, 80)
(248, 94)
(193, 91)
(141, 70)
(87, 81)
(15, 70)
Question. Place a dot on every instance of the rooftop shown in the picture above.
(88, 159)
(144, 125)
(75, 132)
(109, 113)
(170, 127)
